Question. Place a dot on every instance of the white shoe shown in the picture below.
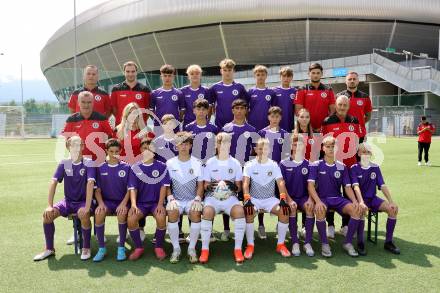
(45, 254)
(419, 164)
(192, 255)
(225, 235)
(142, 232)
(261, 232)
(71, 240)
(350, 249)
(86, 254)
(308, 250)
(175, 256)
(428, 164)
(295, 249)
(331, 232)
(344, 230)
(326, 251)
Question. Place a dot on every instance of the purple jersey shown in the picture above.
(167, 102)
(190, 95)
(279, 141)
(329, 178)
(148, 180)
(222, 96)
(113, 180)
(260, 100)
(367, 178)
(295, 175)
(284, 98)
(75, 176)
(241, 143)
(165, 148)
(204, 140)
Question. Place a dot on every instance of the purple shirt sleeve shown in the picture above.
(353, 175)
(379, 178)
(166, 180)
(132, 180)
(313, 172)
(346, 177)
(59, 173)
(181, 100)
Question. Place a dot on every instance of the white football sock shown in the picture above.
(194, 234)
(205, 231)
(173, 231)
(239, 228)
(250, 233)
(282, 230)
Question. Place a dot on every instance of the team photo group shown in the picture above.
(299, 154)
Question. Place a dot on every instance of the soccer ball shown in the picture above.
(222, 191)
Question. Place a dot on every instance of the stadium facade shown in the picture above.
(341, 34)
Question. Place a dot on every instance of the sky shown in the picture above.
(25, 27)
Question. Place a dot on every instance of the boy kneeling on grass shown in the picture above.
(78, 176)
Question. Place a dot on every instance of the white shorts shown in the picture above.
(266, 205)
(224, 206)
(184, 206)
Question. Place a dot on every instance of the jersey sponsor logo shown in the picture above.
(292, 96)
(337, 174)
(323, 95)
(278, 95)
(138, 96)
(246, 134)
(215, 170)
(155, 173)
(82, 171)
(268, 98)
(230, 171)
(191, 171)
(95, 125)
(174, 98)
(360, 102)
(351, 127)
(311, 141)
(304, 171)
(269, 173)
(373, 175)
(280, 140)
(201, 96)
(255, 172)
(310, 94)
(159, 97)
(123, 96)
(77, 126)
(104, 174)
(235, 92)
(219, 92)
(121, 173)
(97, 98)
(322, 172)
(187, 96)
(335, 128)
(289, 169)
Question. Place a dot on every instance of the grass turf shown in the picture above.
(26, 167)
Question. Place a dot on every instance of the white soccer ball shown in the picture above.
(222, 191)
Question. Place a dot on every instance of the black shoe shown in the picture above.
(391, 247)
(361, 249)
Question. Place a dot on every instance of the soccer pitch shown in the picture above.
(27, 166)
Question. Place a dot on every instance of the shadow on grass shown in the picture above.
(265, 258)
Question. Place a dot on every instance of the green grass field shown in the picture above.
(25, 170)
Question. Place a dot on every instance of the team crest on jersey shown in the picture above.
(235, 92)
(268, 98)
(292, 96)
(373, 175)
(323, 95)
(360, 102)
(82, 171)
(121, 173)
(230, 171)
(138, 96)
(174, 98)
(98, 98)
(311, 141)
(155, 173)
(351, 128)
(191, 171)
(304, 171)
(269, 173)
(246, 134)
(337, 174)
(201, 96)
(208, 135)
(95, 125)
(280, 140)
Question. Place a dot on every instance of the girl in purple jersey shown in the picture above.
(79, 181)
(366, 178)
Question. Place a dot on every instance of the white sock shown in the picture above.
(240, 227)
(282, 230)
(205, 231)
(173, 231)
(250, 233)
(194, 234)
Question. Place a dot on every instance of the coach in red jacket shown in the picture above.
(425, 131)
(93, 127)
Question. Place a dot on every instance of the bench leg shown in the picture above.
(75, 233)
(369, 227)
(376, 224)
